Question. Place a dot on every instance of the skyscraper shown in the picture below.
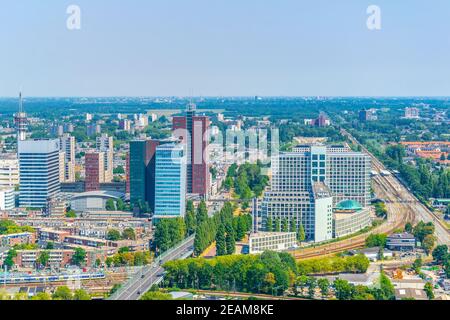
(105, 144)
(94, 168)
(142, 172)
(39, 172)
(193, 131)
(67, 143)
(170, 181)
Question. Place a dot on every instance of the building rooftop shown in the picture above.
(349, 205)
(403, 235)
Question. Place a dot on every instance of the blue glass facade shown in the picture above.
(170, 181)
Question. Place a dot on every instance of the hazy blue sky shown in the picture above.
(224, 47)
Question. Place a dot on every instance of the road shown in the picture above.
(137, 286)
(400, 197)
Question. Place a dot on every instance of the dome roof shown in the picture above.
(349, 205)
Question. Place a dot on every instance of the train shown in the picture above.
(27, 279)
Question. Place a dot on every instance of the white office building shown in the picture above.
(39, 172)
(307, 184)
(170, 181)
(7, 199)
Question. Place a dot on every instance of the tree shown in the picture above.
(42, 296)
(202, 213)
(292, 225)
(417, 264)
(324, 286)
(81, 295)
(230, 239)
(440, 254)
(221, 249)
(269, 224)
(43, 258)
(408, 227)
(429, 290)
(50, 246)
(428, 243)
(376, 240)
(129, 234)
(301, 234)
(110, 205)
(120, 205)
(190, 218)
(79, 257)
(62, 293)
(71, 214)
(155, 295)
(113, 235)
(9, 260)
(285, 225)
(277, 224)
(312, 284)
(343, 289)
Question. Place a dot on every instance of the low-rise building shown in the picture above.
(52, 235)
(401, 242)
(350, 217)
(275, 241)
(10, 240)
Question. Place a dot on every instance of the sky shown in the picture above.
(224, 48)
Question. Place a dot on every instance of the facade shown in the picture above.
(10, 240)
(39, 172)
(349, 218)
(67, 145)
(274, 241)
(105, 144)
(7, 199)
(142, 162)
(193, 131)
(304, 183)
(170, 181)
(9, 172)
(95, 173)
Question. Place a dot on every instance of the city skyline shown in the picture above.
(179, 49)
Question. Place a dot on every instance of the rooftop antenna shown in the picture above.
(20, 102)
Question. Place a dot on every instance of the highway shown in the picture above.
(137, 286)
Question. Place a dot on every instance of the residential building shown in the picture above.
(105, 144)
(94, 167)
(67, 145)
(170, 181)
(412, 113)
(39, 172)
(9, 171)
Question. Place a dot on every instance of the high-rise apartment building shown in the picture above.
(67, 144)
(7, 199)
(142, 163)
(307, 183)
(39, 172)
(105, 144)
(9, 171)
(94, 168)
(193, 131)
(170, 181)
